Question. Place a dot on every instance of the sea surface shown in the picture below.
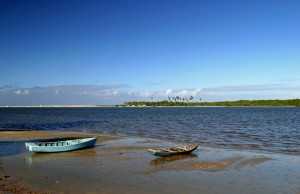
(261, 129)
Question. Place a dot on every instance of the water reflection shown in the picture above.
(164, 160)
(43, 157)
(192, 162)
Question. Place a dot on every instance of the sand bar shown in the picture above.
(122, 165)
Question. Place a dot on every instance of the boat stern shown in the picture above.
(28, 146)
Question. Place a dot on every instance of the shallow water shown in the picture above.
(11, 148)
(124, 166)
(267, 129)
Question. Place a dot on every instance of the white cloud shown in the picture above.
(22, 92)
(18, 92)
(115, 94)
(165, 93)
(25, 92)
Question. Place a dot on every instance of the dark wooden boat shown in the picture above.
(180, 149)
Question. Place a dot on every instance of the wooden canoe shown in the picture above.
(180, 149)
(60, 145)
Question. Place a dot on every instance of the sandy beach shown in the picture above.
(122, 165)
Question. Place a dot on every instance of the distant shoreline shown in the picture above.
(177, 103)
(122, 106)
(208, 106)
(183, 102)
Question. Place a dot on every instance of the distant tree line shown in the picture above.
(178, 101)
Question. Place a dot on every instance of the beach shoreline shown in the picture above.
(123, 165)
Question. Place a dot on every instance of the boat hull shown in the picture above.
(47, 148)
(166, 152)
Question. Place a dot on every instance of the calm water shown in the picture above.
(267, 129)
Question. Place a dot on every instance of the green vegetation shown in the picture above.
(290, 102)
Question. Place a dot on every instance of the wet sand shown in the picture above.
(122, 165)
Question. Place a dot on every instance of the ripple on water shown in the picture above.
(267, 129)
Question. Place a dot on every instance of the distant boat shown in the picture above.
(60, 145)
(180, 149)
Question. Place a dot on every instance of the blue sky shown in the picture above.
(152, 47)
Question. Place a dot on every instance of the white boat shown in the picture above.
(60, 145)
(180, 149)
